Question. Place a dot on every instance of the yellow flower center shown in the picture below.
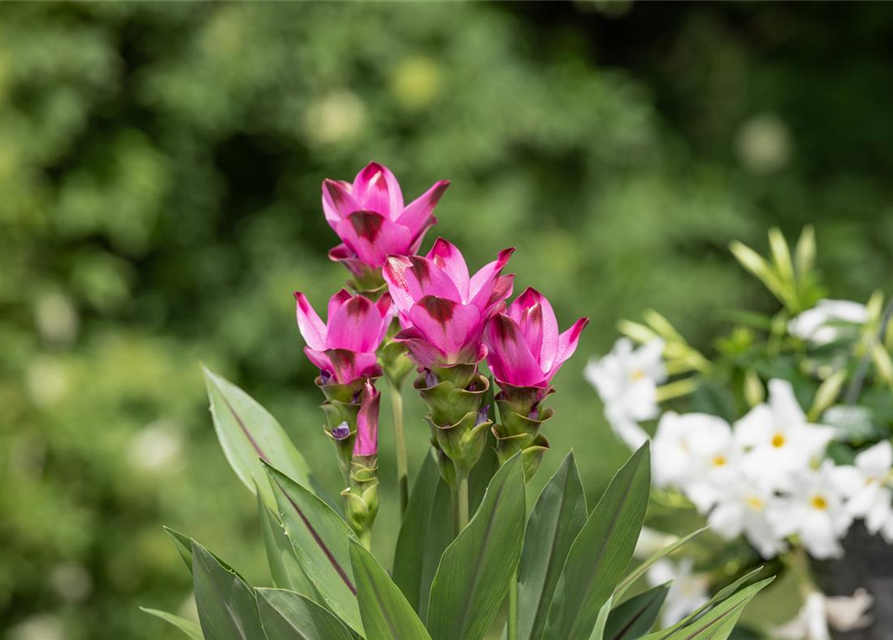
(719, 461)
(755, 503)
(638, 374)
(818, 502)
(778, 440)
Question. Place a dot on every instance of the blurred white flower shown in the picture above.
(764, 144)
(688, 590)
(56, 318)
(742, 507)
(156, 447)
(38, 627)
(813, 509)
(825, 322)
(695, 451)
(777, 438)
(865, 485)
(819, 612)
(71, 582)
(626, 380)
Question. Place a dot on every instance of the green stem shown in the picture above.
(400, 446)
(513, 608)
(460, 498)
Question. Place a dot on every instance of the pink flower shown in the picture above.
(366, 443)
(345, 347)
(442, 309)
(371, 220)
(525, 348)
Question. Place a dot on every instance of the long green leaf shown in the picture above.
(601, 552)
(474, 573)
(226, 605)
(284, 566)
(287, 615)
(424, 534)
(642, 569)
(321, 540)
(386, 613)
(186, 626)
(248, 433)
(554, 524)
(635, 617)
(720, 619)
(718, 597)
(183, 545)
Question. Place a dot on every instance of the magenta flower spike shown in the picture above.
(370, 218)
(442, 309)
(525, 351)
(524, 346)
(344, 348)
(367, 422)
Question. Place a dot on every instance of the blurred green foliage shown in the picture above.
(159, 200)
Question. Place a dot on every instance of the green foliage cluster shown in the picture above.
(159, 172)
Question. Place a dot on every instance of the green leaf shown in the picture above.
(226, 605)
(287, 615)
(717, 623)
(284, 566)
(386, 613)
(635, 617)
(186, 626)
(601, 552)
(557, 518)
(183, 545)
(424, 534)
(321, 540)
(473, 577)
(719, 596)
(642, 569)
(248, 433)
(598, 632)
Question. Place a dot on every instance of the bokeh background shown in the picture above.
(159, 201)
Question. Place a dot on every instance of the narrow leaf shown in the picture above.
(473, 577)
(719, 596)
(186, 626)
(557, 518)
(601, 552)
(720, 619)
(291, 616)
(284, 566)
(635, 617)
(226, 606)
(248, 433)
(183, 545)
(426, 520)
(321, 540)
(642, 569)
(386, 613)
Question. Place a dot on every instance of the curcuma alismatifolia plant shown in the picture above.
(562, 572)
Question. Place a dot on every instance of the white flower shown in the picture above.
(688, 590)
(695, 451)
(813, 509)
(842, 613)
(778, 439)
(865, 485)
(627, 379)
(742, 507)
(822, 324)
